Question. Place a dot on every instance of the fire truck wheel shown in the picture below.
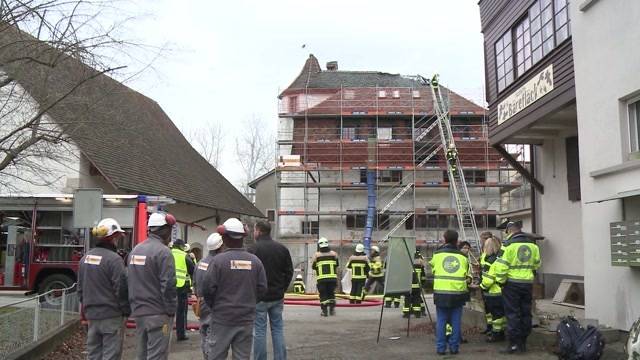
(54, 282)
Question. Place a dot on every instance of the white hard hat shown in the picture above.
(359, 248)
(299, 277)
(452, 146)
(161, 219)
(214, 242)
(375, 248)
(323, 242)
(233, 228)
(186, 247)
(106, 227)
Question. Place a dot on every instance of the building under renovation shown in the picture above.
(360, 145)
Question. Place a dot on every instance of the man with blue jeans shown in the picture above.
(277, 264)
(450, 269)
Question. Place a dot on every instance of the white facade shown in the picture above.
(606, 35)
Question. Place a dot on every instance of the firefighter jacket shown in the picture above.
(152, 279)
(298, 287)
(450, 271)
(359, 266)
(419, 274)
(102, 283)
(377, 270)
(325, 265)
(488, 284)
(518, 262)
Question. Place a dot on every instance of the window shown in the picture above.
(634, 124)
(348, 133)
(382, 94)
(385, 133)
(562, 20)
(492, 221)
(474, 176)
(396, 93)
(523, 46)
(573, 168)
(293, 104)
(356, 221)
(363, 175)
(421, 221)
(415, 94)
(443, 221)
(383, 222)
(480, 221)
(391, 176)
(504, 61)
(271, 215)
(310, 227)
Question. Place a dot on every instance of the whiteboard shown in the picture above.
(399, 271)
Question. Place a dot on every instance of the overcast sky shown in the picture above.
(229, 59)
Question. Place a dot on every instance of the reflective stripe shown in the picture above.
(486, 293)
(531, 267)
(449, 292)
(520, 281)
(502, 261)
(445, 277)
(488, 276)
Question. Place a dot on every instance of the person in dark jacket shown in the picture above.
(184, 274)
(152, 289)
(214, 245)
(276, 260)
(102, 288)
(450, 270)
(234, 282)
(325, 265)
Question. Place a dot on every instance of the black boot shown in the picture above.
(332, 309)
(405, 315)
(387, 304)
(523, 345)
(488, 330)
(324, 310)
(495, 337)
(417, 314)
(397, 305)
(512, 348)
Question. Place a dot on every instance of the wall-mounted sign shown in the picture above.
(532, 91)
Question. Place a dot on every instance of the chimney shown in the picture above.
(332, 66)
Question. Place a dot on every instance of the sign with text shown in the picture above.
(539, 86)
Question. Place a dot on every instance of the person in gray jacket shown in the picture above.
(234, 281)
(102, 288)
(214, 245)
(152, 289)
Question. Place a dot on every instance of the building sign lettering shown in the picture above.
(532, 91)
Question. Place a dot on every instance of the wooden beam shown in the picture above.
(521, 169)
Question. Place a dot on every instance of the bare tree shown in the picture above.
(36, 37)
(208, 141)
(255, 149)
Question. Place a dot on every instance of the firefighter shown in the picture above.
(450, 292)
(376, 272)
(214, 246)
(491, 291)
(484, 268)
(325, 265)
(515, 271)
(359, 265)
(413, 302)
(298, 285)
(452, 157)
(390, 298)
(102, 288)
(184, 273)
(152, 289)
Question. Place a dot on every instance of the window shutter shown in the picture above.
(573, 168)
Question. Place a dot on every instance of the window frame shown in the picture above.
(309, 228)
(635, 101)
(502, 63)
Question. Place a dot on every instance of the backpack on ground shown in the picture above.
(578, 343)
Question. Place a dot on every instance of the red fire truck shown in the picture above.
(39, 248)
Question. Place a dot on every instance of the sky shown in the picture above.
(227, 60)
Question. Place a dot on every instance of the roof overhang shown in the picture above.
(617, 196)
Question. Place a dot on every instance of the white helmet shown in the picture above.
(160, 219)
(375, 248)
(323, 242)
(359, 248)
(299, 277)
(186, 247)
(214, 242)
(106, 227)
(233, 228)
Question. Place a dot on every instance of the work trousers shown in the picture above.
(494, 309)
(413, 302)
(327, 290)
(357, 291)
(269, 312)
(181, 314)
(517, 307)
(153, 334)
(104, 339)
(238, 338)
(389, 299)
(375, 285)
(205, 334)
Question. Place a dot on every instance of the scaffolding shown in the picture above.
(329, 139)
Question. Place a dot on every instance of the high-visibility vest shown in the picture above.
(376, 267)
(419, 276)
(182, 275)
(489, 285)
(298, 287)
(519, 260)
(325, 265)
(450, 269)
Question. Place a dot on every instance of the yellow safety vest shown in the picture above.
(376, 267)
(182, 274)
(419, 277)
(521, 257)
(489, 285)
(450, 269)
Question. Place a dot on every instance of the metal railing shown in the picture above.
(27, 321)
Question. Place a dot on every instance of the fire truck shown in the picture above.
(40, 249)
